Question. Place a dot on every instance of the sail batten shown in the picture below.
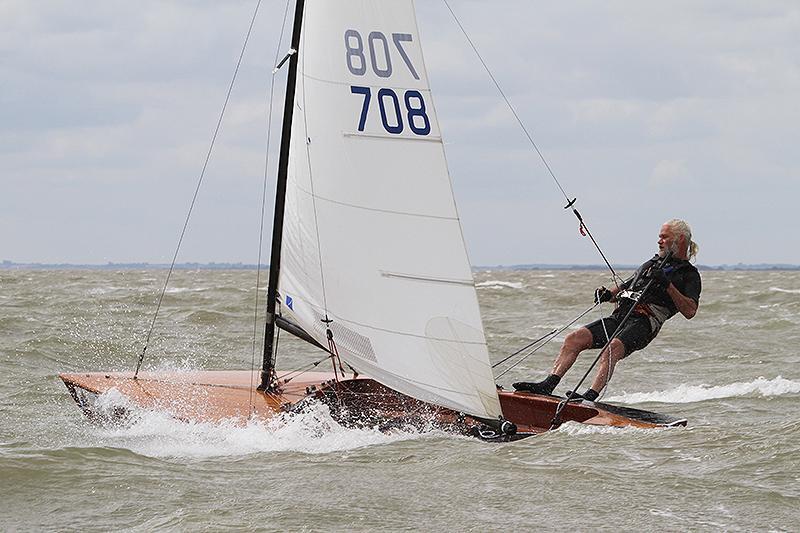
(373, 247)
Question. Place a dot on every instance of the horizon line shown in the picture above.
(215, 265)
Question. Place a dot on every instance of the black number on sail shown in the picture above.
(365, 107)
(395, 104)
(391, 115)
(416, 109)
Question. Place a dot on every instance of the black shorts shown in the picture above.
(635, 334)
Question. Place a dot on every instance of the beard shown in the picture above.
(673, 248)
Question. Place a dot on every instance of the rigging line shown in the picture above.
(553, 332)
(507, 101)
(570, 203)
(197, 188)
(545, 343)
(264, 199)
(583, 227)
(290, 375)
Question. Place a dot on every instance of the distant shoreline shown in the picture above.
(10, 265)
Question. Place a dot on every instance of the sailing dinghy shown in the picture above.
(368, 259)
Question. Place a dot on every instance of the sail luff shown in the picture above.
(268, 363)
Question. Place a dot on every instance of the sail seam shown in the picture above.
(420, 88)
(389, 211)
(375, 209)
(348, 322)
(415, 335)
(433, 139)
(413, 277)
(423, 385)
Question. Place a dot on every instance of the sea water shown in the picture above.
(732, 371)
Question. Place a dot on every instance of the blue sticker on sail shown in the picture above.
(289, 302)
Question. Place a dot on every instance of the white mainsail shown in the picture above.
(371, 237)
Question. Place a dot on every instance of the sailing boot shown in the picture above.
(545, 386)
(590, 395)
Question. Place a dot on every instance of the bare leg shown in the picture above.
(606, 368)
(575, 343)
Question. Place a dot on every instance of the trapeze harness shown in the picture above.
(653, 305)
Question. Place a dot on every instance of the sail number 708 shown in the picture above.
(380, 59)
(389, 106)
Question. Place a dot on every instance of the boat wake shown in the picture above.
(157, 434)
(575, 429)
(697, 393)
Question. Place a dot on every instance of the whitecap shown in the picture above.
(178, 290)
(698, 393)
(788, 291)
(100, 291)
(497, 284)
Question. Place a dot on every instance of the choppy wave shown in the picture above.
(49, 323)
(179, 290)
(99, 291)
(498, 284)
(697, 393)
(789, 291)
(157, 434)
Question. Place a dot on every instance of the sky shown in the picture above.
(645, 111)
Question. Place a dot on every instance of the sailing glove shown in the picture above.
(601, 294)
(660, 276)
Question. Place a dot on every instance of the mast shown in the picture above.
(268, 365)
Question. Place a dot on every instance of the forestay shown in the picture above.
(372, 238)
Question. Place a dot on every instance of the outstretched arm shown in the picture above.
(686, 305)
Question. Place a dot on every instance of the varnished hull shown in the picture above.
(208, 396)
(230, 395)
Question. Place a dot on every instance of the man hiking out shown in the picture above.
(675, 288)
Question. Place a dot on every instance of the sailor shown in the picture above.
(675, 288)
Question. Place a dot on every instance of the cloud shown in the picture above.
(669, 173)
(106, 113)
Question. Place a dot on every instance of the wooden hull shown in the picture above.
(213, 396)
(207, 396)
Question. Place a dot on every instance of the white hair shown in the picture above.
(680, 227)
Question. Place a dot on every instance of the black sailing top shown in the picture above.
(656, 302)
